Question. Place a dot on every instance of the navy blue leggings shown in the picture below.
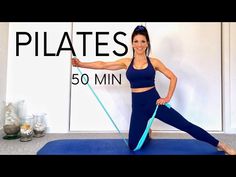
(143, 106)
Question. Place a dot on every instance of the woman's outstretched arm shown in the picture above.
(113, 65)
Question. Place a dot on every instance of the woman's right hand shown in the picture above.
(162, 101)
(75, 62)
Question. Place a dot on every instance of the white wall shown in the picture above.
(229, 77)
(87, 114)
(3, 67)
(42, 81)
(233, 74)
(191, 50)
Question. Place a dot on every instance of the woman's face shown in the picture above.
(139, 44)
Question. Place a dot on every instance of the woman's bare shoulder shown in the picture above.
(155, 60)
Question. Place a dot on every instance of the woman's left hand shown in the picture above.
(162, 101)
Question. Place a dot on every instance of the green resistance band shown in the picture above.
(104, 108)
(150, 121)
(146, 131)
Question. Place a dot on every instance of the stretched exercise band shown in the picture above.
(146, 131)
(104, 109)
(150, 121)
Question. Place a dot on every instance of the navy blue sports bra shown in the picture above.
(139, 78)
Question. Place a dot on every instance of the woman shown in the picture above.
(140, 72)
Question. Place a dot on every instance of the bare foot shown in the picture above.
(150, 133)
(226, 148)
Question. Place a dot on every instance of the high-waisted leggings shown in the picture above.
(143, 106)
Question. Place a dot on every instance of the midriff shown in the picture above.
(143, 89)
